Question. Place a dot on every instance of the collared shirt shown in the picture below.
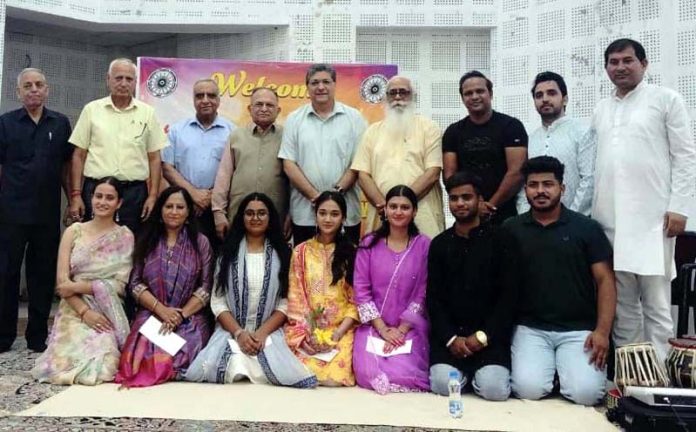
(467, 292)
(32, 156)
(396, 158)
(645, 166)
(118, 141)
(195, 151)
(323, 149)
(554, 270)
(250, 164)
(571, 141)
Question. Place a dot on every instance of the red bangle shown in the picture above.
(75, 192)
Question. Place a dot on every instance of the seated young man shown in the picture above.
(567, 295)
(470, 305)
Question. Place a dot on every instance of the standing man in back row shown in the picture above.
(645, 181)
(196, 146)
(117, 136)
(488, 144)
(319, 142)
(34, 161)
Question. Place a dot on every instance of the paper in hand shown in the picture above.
(171, 343)
(376, 346)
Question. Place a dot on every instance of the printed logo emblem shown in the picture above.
(373, 88)
(161, 82)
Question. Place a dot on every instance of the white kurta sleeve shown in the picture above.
(682, 152)
(218, 303)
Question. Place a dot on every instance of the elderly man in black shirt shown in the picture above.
(469, 300)
(567, 295)
(34, 155)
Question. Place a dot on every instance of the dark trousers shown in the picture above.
(134, 196)
(301, 233)
(41, 245)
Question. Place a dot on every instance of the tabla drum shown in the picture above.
(637, 365)
(681, 362)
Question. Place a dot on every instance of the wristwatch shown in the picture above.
(481, 337)
(339, 189)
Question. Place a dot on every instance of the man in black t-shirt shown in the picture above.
(567, 293)
(488, 144)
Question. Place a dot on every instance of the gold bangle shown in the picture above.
(82, 314)
(154, 306)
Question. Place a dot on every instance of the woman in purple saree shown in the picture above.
(171, 281)
(389, 283)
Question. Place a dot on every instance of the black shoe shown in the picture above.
(37, 346)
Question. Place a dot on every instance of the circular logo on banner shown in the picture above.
(161, 82)
(373, 88)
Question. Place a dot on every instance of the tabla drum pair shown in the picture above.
(681, 362)
(638, 365)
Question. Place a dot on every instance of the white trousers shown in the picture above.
(643, 311)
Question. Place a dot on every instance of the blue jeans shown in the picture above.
(491, 382)
(538, 354)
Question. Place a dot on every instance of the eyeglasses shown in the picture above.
(399, 92)
(259, 214)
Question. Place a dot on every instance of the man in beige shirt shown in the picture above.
(117, 136)
(250, 163)
(404, 148)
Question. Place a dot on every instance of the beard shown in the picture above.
(398, 117)
(552, 204)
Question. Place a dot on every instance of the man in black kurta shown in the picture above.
(34, 153)
(469, 301)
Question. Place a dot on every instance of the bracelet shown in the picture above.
(181, 314)
(82, 314)
(75, 192)
(154, 305)
(237, 333)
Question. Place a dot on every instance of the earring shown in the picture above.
(117, 218)
(343, 229)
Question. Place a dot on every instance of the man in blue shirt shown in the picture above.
(197, 143)
(34, 157)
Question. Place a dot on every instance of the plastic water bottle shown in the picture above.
(455, 394)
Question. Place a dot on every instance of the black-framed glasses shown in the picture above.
(399, 92)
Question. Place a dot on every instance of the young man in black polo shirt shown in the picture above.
(567, 296)
(34, 155)
(469, 304)
(489, 144)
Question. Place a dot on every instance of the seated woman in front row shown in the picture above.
(390, 279)
(171, 281)
(321, 312)
(94, 261)
(249, 304)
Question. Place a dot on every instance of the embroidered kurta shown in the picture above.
(76, 353)
(311, 293)
(646, 166)
(400, 158)
(173, 275)
(391, 285)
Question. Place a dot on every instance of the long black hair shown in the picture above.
(153, 230)
(343, 260)
(274, 234)
(383, 230)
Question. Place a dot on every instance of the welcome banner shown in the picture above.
(167, 85)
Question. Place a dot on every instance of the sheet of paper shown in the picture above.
(171, 343)
(325, 356)
(375, 345)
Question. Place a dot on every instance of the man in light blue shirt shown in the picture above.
(319, 141)
(567, 139)
(197, 143)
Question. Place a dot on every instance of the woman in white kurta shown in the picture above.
(250, 306)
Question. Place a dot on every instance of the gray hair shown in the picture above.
(320, 67)
(258, 89)
(207, 80)
(122, 60)
(401, 77)
(28, 70)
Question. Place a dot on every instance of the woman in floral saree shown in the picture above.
(94, 260)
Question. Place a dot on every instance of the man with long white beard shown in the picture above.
(404, 148)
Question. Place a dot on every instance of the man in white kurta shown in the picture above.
(403, 149)
(645, 177)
